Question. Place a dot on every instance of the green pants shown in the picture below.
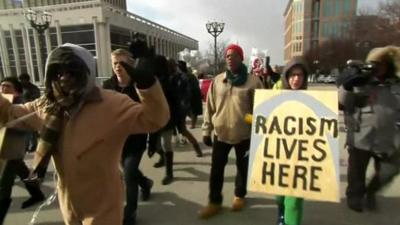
(293, 209)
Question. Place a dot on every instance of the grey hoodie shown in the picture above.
(296, 61)
(74, 57)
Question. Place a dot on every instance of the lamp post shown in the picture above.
(316, 75)
(40, 21)
(215, 29)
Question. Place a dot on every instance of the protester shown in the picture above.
(196, 104)
(294, 77)
(181, 83)
(370, 102)
(229, 99)
(264, 72)
(30, 91)
(85, 127)
(164, 141)
(15, 164)
(135, 145)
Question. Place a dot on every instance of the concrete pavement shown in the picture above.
(178, 203)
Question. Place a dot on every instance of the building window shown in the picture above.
(315, 30)
(325, 29)
(338, 7)
(347, 7)
(316, 9)
(328, 7)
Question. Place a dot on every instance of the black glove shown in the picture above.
(141, 72)
(207, 141)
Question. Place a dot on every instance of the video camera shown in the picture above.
(357, 73)
(365, 69)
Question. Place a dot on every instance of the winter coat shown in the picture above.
(196, 104)
(14, 140)
(226, 108)
(372, 110)
(90, 185)
(30, 92)
(182, 93)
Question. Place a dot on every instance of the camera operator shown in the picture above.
(370, 98)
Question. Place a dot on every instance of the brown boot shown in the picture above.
(209, 211)
(238, 204)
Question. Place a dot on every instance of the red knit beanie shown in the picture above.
(235, 48)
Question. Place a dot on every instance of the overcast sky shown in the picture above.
(251, 24)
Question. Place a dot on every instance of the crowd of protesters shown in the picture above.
(89, 164)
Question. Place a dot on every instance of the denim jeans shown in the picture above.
(133, 179)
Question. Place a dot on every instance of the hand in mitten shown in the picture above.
(141, 72)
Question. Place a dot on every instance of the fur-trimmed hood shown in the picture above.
(389, 54)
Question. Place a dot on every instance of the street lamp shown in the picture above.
(215, 29)
(316, 75)
(40, 21)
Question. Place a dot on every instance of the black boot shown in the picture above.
(281, 214)
(197, 148)
(169, 160)
(146, 189)
(129, 220)
(161, 161)
(36, 194)
(372, 188)
(4, 206)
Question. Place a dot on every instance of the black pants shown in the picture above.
(12, 169)
(133, 179)
(356, 172)
(218, 162)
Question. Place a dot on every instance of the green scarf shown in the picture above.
(52, 125)
(239, 78)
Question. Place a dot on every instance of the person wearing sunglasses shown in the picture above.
(84, 127)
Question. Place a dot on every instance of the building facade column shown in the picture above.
(15, 50)
(58, 32)
(4, 54)
(48, 42)
(30, 55)
(100, 71)
(39, 59)
(28, 61)
(103, 42)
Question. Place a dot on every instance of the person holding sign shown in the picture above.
(294, 77)
(230, 97)
(369, 96)
(84, 128)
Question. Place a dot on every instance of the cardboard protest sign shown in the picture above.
(294, 144)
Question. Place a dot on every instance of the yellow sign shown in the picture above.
(294, 144)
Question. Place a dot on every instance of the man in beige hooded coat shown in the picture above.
(93, 124)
